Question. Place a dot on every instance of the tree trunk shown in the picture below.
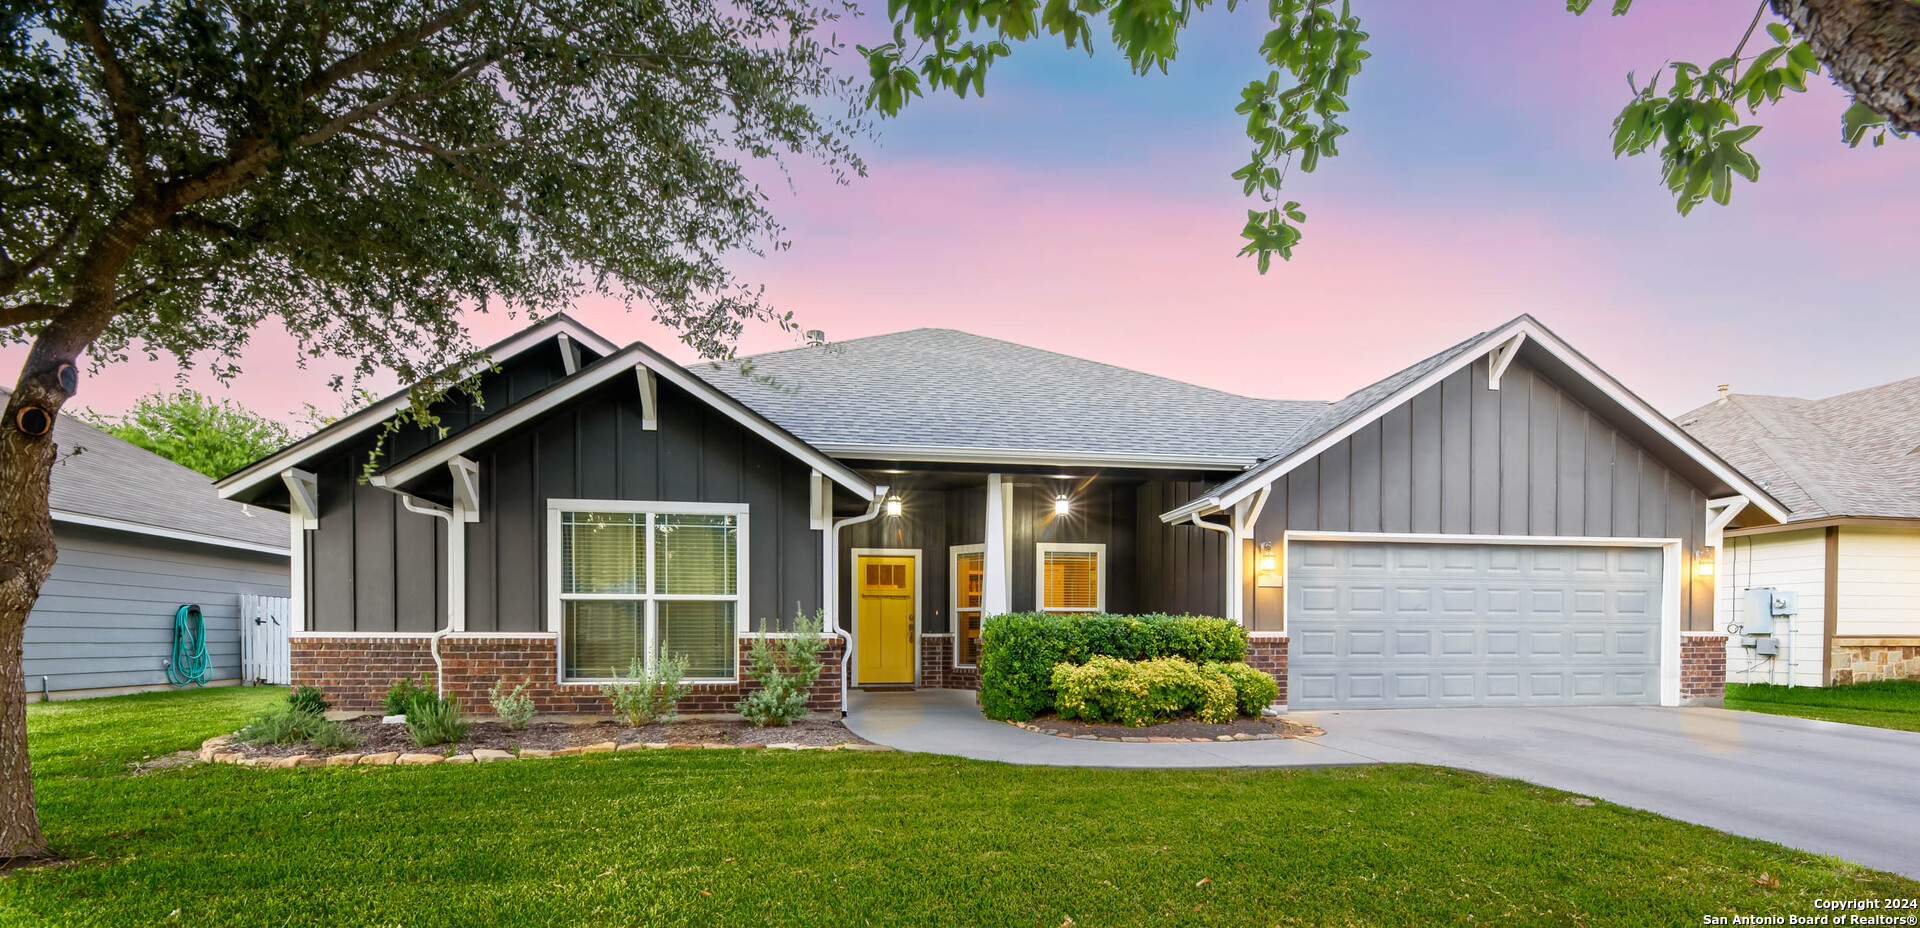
(1870, 47)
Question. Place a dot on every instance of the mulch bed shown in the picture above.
(377, 737)
(1181, 729)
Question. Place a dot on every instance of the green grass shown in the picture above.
(843, 838)
(1881, 703)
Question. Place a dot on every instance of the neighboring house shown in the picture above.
(1848, 467)
(140, 536)
(1499, 524)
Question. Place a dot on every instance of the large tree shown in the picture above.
(1316, 47)
(175, 173)
(213, 436)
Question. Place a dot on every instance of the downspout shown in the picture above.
(453, 527)
(1231, 536)
(833, 586)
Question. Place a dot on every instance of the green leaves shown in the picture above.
(1861, 119)
(1292, 115)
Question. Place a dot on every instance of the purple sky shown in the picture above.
(1081, 209)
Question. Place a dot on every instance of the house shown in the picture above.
(1501, 523)
(1848, 554)
(138, 537)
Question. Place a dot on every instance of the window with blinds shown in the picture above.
(1071, 578)
(640, 585)
(969, 584)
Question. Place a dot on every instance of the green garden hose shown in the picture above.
(189, 664)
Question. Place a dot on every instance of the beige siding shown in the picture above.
(1879, 582)
(1784, 560)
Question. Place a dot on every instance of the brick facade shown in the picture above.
(1703, 668)
(1859, 660)
(1269, 653)
(936, 666)
(355, 672)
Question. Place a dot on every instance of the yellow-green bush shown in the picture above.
(1254, 689)
(1135, 693)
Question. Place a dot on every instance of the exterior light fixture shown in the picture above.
(1266, 557)
(1703, 562)
(1060, 505)
(893, 505)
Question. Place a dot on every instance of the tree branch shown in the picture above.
(133, 142)
(24, 313)
(13, 275)
(369, 58)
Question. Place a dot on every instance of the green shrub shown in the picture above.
(309, 699)
(402, 694)
(1135, 693)
(333, 736)
(436, 720)
(785, 668)
(287, 723)
(515, 709)
(1019, 650)
(645, 696)
(1254, 689)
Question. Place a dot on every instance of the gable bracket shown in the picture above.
(1500, 357)
(1721, 513)
(649, 399)
(569, 354)
(303, 495)
(466, 488)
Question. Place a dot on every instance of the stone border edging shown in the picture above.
(213, 751)
(1158, 739)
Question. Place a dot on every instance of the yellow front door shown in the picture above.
(884, 618)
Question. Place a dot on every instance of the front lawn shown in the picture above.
(843, 838)
(1880, 703)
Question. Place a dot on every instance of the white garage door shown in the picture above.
(1403, 625)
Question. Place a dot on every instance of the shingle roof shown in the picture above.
(1848, 455)
(949, 389)
(105, 477)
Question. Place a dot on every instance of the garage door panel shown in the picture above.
(1472, 625)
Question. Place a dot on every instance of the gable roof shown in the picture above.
(352, 427)
(1852, 455)
(946, 395)
(633, 358)
(1347, 415)
(107, 482)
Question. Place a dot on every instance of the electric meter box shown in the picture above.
(1757, 617)
(1766, 647)
(1786, 602)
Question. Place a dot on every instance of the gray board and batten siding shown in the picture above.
(1459, 458)
(372, 566)
(104, 619)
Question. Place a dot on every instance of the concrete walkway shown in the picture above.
(1843, 790)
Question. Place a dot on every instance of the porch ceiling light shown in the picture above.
(1266, 557)
(1060, 505)
(893, 505)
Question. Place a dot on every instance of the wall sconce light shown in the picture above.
(1703, 562)
(1060, 505)
(893, 505)
(1266, 558)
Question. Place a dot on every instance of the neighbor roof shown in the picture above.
(1852, 455)
(104, 481)
(941, 394)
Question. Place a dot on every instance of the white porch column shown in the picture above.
(996, 587)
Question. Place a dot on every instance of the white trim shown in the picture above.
(636, 357)
(819, 501)
(352, 426)
(1670, 579)
(138, 528)
(853, 597)
(1501, 357)
(303, 496)
(649, 401)
(996, 582)
(1717, 521)
(297, 579)
(953, 593)
(1040, 552)
(1275, 468)
(556, 600)
(947, 454)
(569, 355)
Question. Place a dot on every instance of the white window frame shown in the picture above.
(953, 595)
(556, 601)
(1040, 574)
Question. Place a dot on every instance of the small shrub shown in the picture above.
(786, 669)
(644, 696)
(404, 692)
(1019, 651)
(1254, 689)
(1135, 693)
(515, 708)
(333, 736)
(287, 724)
(309, 699)
(436, 720)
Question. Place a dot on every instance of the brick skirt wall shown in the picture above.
(355, 672)
(1703, 668)
(1269, 653)
(936, 666)
(1858, 660)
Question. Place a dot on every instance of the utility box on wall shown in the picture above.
(1757, 617)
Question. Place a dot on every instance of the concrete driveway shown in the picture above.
(1843, 790)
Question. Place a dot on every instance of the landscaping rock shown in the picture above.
(226, 757)
(632, 746)
(656, 745)
(313, 762)
(750, 746)
(1132, 740)
(285, 763)
(1085, 737)
(683, 746)
(1156, 739)
(714, 744)
(344, 760)
(249, 762)
(1224, 738)
(535, 752)
(382, 759)
(393, 719)
(782, 746)
(567, 752)
(1242, 736)
(459, 759)
(603, 747)
(486, 754)
(416, 759)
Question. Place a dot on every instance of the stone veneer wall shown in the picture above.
(1269, 653)
(1703, 668)
(936, 666)
(1858, 660)
(355, 672)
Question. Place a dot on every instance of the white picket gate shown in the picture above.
(265, 622)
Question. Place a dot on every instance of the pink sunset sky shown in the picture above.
(1081, 209)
